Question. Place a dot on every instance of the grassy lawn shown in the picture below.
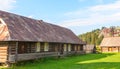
(88, 61)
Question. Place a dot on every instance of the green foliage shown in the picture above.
(112, 31)
(88, 61)
(92, 37)
(98, 49)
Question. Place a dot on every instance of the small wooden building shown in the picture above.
(23, 38)
(89, 48)
(110, 44)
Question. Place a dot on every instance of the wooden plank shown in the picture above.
(3, 48)
(11, 58)
(80, 52)
(3, 57)
(35, 55)
(3, 54)
(3, 60)
(3, 51)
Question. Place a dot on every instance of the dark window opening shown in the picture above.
(24, 47)
(81, 48)
(72, 47)
(41, 47)
(52, 47)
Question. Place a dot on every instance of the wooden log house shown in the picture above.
(23, 38)
(110, 44)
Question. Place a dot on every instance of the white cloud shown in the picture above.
(98, 14)
(114, 6)
(7, 4)
(99, 1)
(30, 16)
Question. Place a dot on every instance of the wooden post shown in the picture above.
(112, 49)
(16, 52)
(9, 50)
(101, 49)
(118, 49)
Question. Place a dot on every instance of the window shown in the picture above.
(38, 47)
(26, 47)
(21, 48)
(69, 47)
(41, 47)
(65, 47)
(46, 47)
(52, 47)
(81, 48)
(109, 49)
(72, 47)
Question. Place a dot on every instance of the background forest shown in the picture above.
(96, 36)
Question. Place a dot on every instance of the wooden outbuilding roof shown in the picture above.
(19, 28)
(110, 41)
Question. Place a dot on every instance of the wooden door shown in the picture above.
(109, 49)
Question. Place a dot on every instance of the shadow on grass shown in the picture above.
(99, 65)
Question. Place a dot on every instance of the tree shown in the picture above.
(91, 37)
(112, 29)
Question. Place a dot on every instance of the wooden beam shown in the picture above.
(29, 56)
(16, 52)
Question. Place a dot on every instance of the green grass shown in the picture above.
(88, 61)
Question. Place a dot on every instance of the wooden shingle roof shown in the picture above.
(19, 28)
(110, 41)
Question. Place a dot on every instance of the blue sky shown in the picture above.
(78, 15)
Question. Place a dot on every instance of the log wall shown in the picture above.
(29, 50)
(110, 49)
(3, 52)
(115, 49)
